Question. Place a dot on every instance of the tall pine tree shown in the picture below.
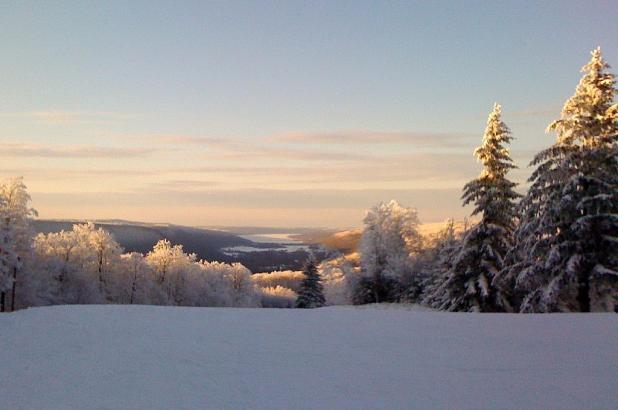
(310, 294)
(468, 285)
(566, 257)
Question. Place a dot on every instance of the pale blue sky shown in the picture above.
(229, 112)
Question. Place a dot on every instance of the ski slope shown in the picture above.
(144, 357)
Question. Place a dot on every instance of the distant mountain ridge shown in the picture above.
(206, 243)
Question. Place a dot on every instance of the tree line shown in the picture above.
(86, 265)
(553, 249)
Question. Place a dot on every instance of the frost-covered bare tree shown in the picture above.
(567, 244)
(239, 288)
(7, 258)
(134, 282)
(16, 234)
(338, 279)
(103, 255)
(56, 255)
(172, 267)
(389, 241)
(77, 265)
(468, 284)
(71, 265)
(188, 282)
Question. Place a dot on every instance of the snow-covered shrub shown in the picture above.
(338, 280)
(277, 297)
(288, 279)
(222, 284)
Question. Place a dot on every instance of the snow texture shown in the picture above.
(146, 357)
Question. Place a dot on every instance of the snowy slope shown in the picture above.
(100, 357)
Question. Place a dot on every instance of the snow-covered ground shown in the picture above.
(131, 357)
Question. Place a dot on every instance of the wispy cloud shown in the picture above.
(170, 139)
(302, 145)
(229, 151)
(371, 137)
(61, 173)
(296, 198)
(62, 117)
(222, 150)
(184, 139)
(395, 167)
(179, 185)
(12, 149)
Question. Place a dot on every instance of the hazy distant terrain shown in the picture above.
(342, 241)
(259, 249)
(346, 241)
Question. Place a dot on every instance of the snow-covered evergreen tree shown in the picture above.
(567, 253)
(310, 294)
(440, 255)
(468, 285)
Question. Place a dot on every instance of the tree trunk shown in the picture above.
(133, 286)
(13, 288)
(583, 276)
(2, 297)
(583, 291)
(101, 280)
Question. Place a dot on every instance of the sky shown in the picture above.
(278, 113)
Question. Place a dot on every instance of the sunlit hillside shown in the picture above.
(347, 241)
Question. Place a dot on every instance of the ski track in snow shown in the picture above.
(145, 357)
